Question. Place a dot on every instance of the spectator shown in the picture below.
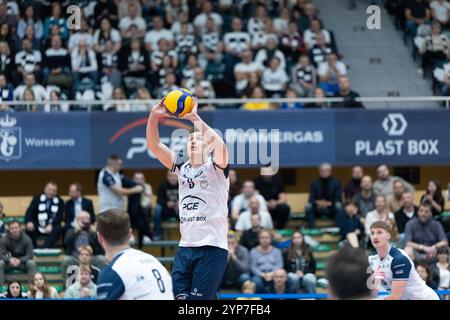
(381, 213)
(259, 40)
(29, 19)
(56, 69)
(28, 95)
(319, 52)
(281, 23)
(158, 32)
(395, 200)
(290, 93)
(16, 252)
(441, 270)
(236, 44)
(123, 8)
(255, 24)
(244, 221)
(108, 61)
(353, 186)
(14, 291)
(243, 70)
(250, 237)
(109, 185)
(384, 184)
(440, 11)
(270, 186)
(160, 50)
(85, 253)
(417, 13)
(301, 265)
(280, 284)
(207, 13)
(84, 64)
(434, 48)
(167, 202)
(119, 94)
(6, 60)
(106, 33)
(274, 79)
(319, 94)
(134, 64)
(141, 94)
(308, 13)
(77, 204)
(82, 34)
(235, 185)
(348, 94)
(329, 73)
(40, 289)
(248, 287)
(105, 9)
(324, 196)
(57, 105)
(6, 89)
(264, 260)
(434, 197)
(186, 44)
(265, 54)
(303, 77)
(350, 226)
(291, 42)
(44, 215)
(183, 18)
(348, 276)
(139, 207)
(425, 273)
(7, 35)
(36, 44)
(407, 212)
(237, 271)
(309, 36)
(211, 45)
(424, 235)
(27, 60)
(133, 18)
(56, 20)
(78, 289)
(173, 9)
(2, 223)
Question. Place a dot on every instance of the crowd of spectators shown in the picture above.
(137, 49)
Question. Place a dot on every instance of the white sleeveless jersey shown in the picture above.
(203, 209)
(398, 266)
(134, 275)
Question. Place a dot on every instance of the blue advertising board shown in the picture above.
(289, 138)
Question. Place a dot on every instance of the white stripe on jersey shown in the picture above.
(398, 266)
(203, 208)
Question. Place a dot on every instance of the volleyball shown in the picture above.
(179, 102)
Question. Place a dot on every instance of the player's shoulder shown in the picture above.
(397, 253)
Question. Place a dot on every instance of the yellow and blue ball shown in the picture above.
(179, 102)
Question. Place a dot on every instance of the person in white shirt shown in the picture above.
(236, 41)
(281, 23)
(329, 73)
(132, 19)
(202, 256)
(244, 221)
(381, 213)
(84, 64)
(255, 24)
(309, 36)
(30, 82)
(28, 60)
(82, 34)
(274, 78)
(270, 49)
(241, 202)
(157, 33)
(207, 12)
(244, 69)
(393, 270)
(440, 11)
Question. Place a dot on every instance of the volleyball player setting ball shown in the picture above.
(201, 258)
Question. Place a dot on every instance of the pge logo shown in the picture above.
(192, 203)
(394, 124)
(10, 139)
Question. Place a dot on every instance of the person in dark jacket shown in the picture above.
(76, 204)
(16, 252)
(2, 223)
(44, 215)
(238, 267)
(353, 186)
(324, 196)
(349, 95)
(406, 213)
(166, 206)
(14, 291)
(300, 264)
(350, 226)
(250, 237)
(280, 283)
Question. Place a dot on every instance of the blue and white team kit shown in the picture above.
(134, 275)
(397, 266)
(202, 256)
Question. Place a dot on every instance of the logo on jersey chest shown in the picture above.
(191, 203)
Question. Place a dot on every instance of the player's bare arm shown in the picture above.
(218, 146)
(159, 149)
(398, 288)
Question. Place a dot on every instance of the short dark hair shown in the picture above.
(426, 204)
(381, 225)
(114, 157)
(114, 225)
(13, 221)
(78, 186)
(347, 272)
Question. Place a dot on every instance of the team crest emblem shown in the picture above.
(204, 184)
(10, 139)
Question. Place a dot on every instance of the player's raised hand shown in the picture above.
(159, 110)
